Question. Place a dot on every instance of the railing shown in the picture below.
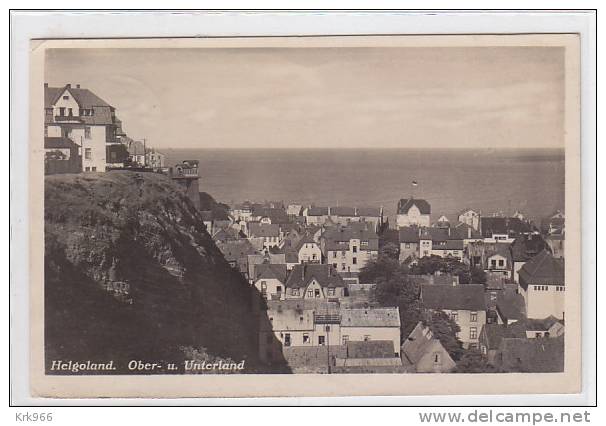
(68, 118)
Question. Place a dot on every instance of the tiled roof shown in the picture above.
(344, 234)
(342, 211)
(270, 271)
(317, 211)
(370, 349)
(370, 317)
(409, 234)
(497, 332)
(468, 297)
(274, 214)
(448, 245)
(523, 248)
(543, 269)
(306, 239)
(418, 343)
(256, 229)
(58, 143)
(405, 204)
(503, 225)
(511, 305)
(368, 211)
(532, 355)
(325, 275)
(501, 249)
(235, 249)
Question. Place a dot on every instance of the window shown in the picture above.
(407, 245)
(263, 285)
(62, 111)
(334, 265)
(305, 337)
(334, 254)
(94, 169)
(354, 260)
(493, 263)
(345, 339)
(287, 339)
(343, 253)
(278, 289)
(331, 291)
(473, 332)
(66, 97)
(354, 249)
(321, 340)
(295, 291)
(454, 315)
(437, 358)
(313, 257)
(501, 262)
(366, 337)
(343, 266)
(70, 112)
(87, 132)
(88, 153)
(317, 292)
(473, 316)
(484, 350)
(310, 293)
(87, 169)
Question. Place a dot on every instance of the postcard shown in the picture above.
(305, 216)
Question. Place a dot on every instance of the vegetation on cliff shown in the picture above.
(132, 274)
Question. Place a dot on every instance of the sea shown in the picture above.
(501, 181)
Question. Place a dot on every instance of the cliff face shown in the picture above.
(131, 273)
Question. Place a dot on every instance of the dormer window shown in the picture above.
(66, 98)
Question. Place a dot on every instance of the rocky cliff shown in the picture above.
(132, 274)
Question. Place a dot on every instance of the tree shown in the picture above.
(473, 362)
(390, 250)
(477, 276)
(445, 330)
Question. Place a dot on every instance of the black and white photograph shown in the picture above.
(394, 206)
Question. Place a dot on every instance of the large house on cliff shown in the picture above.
(85, 119)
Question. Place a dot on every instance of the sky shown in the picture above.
(377, 97)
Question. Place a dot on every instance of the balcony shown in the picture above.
(68, 119)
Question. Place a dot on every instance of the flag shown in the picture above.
(414, 183)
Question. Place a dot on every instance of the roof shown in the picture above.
(342, 211)
(409, 234)
(544, 324)
(503, 225)
(543, 269)
(370, 317)
(448, 245)
(135, 147)
(276, 215)
(532, 355)
(58, 143)
(419, 342)
(270, 271)
(370, 349)
(256, 229)
(368, 211)
(86, 100)
(405, 204)
(464, 231)
(497, 332)
(325, 275)
(524, 248)
(511, 305)
(306, 239)
(336, 237)
(468, 297)
(317, 211)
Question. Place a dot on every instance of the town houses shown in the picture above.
(306, 264)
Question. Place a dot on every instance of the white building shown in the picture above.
(542, 286)
(84, 118)
(413, 212)
(470, 217)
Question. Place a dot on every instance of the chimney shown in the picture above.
(68, 86)
(77, 86)
(45, 84)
